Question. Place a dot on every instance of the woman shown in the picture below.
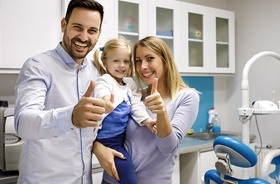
(170, 101)
(116, 69)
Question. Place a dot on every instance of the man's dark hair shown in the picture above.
(88, 4)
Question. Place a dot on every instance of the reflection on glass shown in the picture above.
(164, 22)
(132, 39)
(169, 42)
(222, 30)
(195, 54)
(195, 26)
(222, 34)
(128, 17)
(222, 56)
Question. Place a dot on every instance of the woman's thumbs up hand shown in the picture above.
(154, 101)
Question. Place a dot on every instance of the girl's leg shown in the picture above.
(125, 168)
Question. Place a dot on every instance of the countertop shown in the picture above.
(192, 144)
(188, 145)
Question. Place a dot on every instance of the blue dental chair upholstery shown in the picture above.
(231, 151)
(272, 158)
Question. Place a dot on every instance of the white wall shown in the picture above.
(257, 29)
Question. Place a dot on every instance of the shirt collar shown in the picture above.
(67, 59)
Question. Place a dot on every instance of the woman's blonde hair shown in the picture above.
(173, 79)
(110, 46)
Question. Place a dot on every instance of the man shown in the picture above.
(54, 110)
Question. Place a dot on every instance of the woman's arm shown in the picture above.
(105, 156)
(156, 105)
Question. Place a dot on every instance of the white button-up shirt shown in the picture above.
(48, 87)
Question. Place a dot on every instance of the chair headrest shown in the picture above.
(241, 155)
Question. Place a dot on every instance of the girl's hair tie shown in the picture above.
(101, 48)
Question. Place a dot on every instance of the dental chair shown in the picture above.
(231, 151)
(273, 157)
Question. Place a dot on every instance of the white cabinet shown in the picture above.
(137, 19)
(97, 171)
(26, 28)
(32, 29)
(97, 175)
(207, 40)
(194, 165)
(201, 38)
(207, 161)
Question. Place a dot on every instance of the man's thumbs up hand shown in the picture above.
(90, 89)
(88, 111)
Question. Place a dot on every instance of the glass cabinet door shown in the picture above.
(131, 18)
(128, 20)
(195, 38)
(222, 51)
(164, 22)
(224, 42)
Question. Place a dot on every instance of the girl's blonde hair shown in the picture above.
(110, 46)
(173, 79)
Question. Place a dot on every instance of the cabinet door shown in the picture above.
(132, 19)
(108, 29)
(207, 162)
(27, 32)
(222, 41)
(195, 38)
(97, 171)
(207, 40)
(97, 176)
(165, 22)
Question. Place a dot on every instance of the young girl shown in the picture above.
(168, 99)
(118, 90)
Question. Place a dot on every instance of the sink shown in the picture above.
(210, 136)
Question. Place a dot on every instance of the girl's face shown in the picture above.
(149, 65)
(118, 64)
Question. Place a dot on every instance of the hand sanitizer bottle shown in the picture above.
(211, 115)
(216, 123)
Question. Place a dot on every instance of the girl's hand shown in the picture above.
(154, 101)
(109, 107)
(151, 125)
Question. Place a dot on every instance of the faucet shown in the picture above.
(209, 127)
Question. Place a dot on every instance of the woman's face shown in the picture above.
(149, 65)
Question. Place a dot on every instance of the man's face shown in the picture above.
(81, 33)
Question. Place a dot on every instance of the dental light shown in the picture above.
(246, 112)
